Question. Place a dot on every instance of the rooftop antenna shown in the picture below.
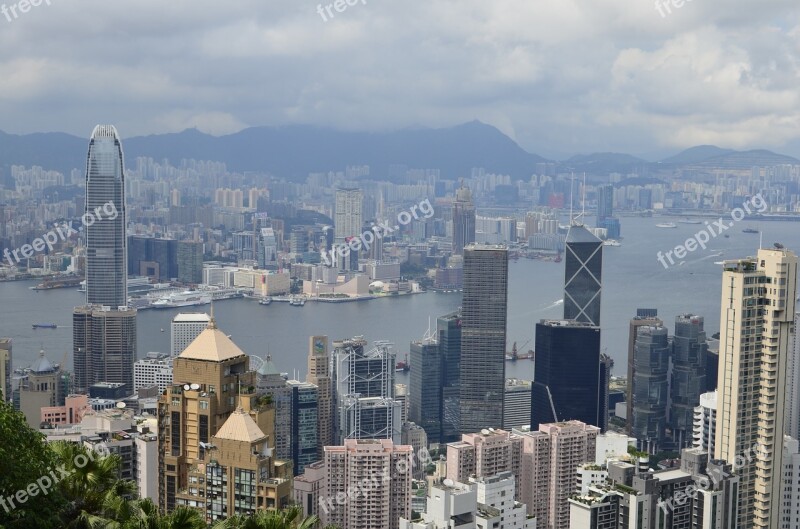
(212, 323)
(583, 198)
(571, 185)
(428, 336)
(760, 239)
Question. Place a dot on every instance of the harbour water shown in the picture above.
(632, 277)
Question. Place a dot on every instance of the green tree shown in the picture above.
(289, 518)
(25, 459)
(91, 487)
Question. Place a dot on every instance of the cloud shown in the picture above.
(560, 77)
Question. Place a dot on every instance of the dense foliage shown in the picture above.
(84, 490)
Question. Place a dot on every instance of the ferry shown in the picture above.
(45, 326)
(182, 299)
(265, 301)
(750, 230)
(297, 301)
(402, 366)
(666, 225)
(690, 221)
(611, 242)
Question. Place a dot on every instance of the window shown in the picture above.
(203, 404)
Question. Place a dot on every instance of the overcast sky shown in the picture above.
(558, 76)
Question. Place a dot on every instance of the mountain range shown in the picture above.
(294, 151)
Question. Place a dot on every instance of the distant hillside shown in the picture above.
(603, 163)
(294, 151)
(696, 154)
(746, 160)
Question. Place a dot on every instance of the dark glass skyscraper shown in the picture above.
(449, 330)
(106, 243)
(644, 318)
(569, 379)
(689, 352)
(483, 337)
(425, 388)
(605, 202)
(650, 387)
(583, 276)
(463, 220)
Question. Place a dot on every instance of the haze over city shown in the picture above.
(350, 264)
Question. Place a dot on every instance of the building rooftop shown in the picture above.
(268, 367)
(191, 317)
(42, 364)
(240, 427)
(212, 345)
(579, 234)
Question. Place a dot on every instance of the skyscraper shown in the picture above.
(425, 387)
(689, 351)
(106, 243)
(644, 317)
(185, 328)
(583, 276)
(463, 220)
(568, 382)
(319, 375)
(449, 330)
(756, 322)
(6, 369)
(363, 386)
(190, 262)
(483, 337)
(378, 468)
(605, 202)
(216, 435)
(348, 213)
(104, 331)
(103, 345)
(792, 426)
(650, 387)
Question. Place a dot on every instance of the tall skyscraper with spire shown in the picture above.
(106, 243)
(483, 337)
(756, 325)
(104, 330)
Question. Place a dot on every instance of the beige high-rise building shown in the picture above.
(348, 213)
(372, 478)
(39, 389)
(756, 325)
(6, 369)
(318, 374)
(217, 436)
(544, 464)
(483, 454)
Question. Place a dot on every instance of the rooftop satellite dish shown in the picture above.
(448, 483)
(120, 405)
(187, 387)
(485, 431)
(195, 386)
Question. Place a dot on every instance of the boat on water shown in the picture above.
(690, 221)
(750, 230)
(611, 242)
(182, 299)
(402, 366)
(297, 301)
(666, 225)
(265, 301)
(45, 326)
